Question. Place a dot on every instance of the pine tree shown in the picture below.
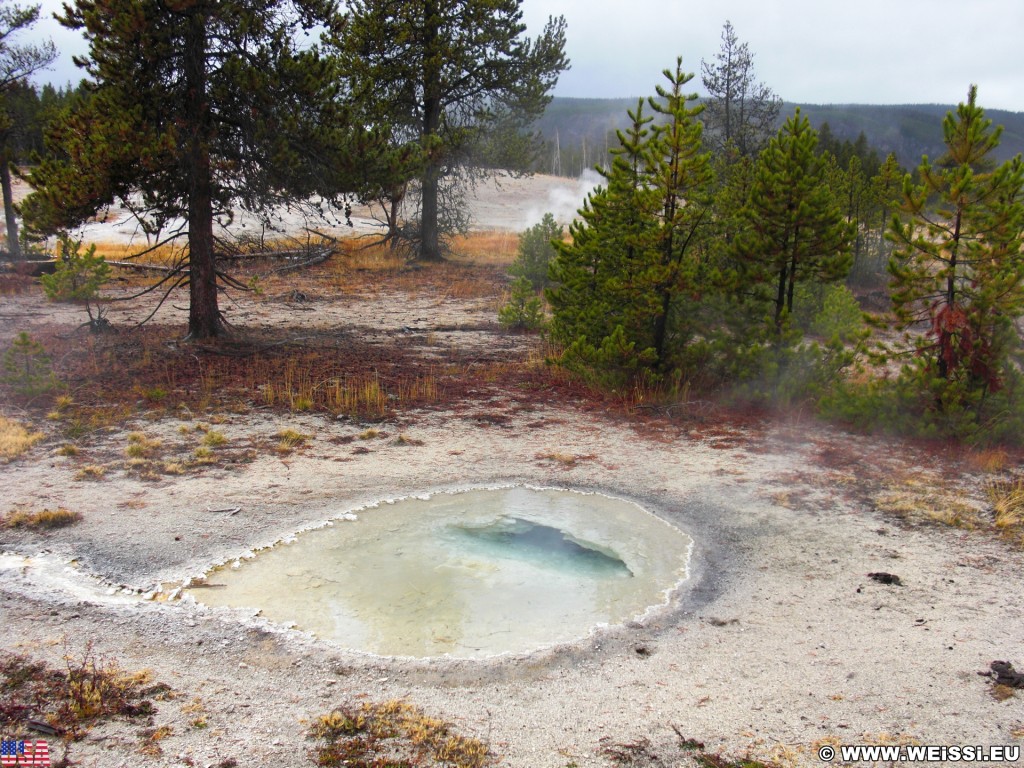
(78, 277)
(454, 78)
(27, 367)
(535, 252)
(957, 263)
(195, 107)
(594, 273)
(886, 194)
(17, 62)
(680, 176)
(795, 231)
(741, 112)
(630, 268)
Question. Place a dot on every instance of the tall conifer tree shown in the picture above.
(449, 76)
(18, 60)
(592, 271)
(793, 227)
(630, 262)
(196, 106)
(957, 263)
(741, 112)
(681, 175)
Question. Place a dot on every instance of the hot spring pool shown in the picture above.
(468, 574)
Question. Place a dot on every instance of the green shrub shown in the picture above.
(788, 374)
(615, 366)
(78, 277)
(536, 252)
(525, 309)
(27, 367)
(827, 311)
(919, 404)
(840, 315)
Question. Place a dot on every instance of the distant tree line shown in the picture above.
(907, 131)
(31, 108)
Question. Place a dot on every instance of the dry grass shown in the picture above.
(164, 256)
(151, 738)
(87, 691)
(15, 440)
(474, 271)
(1007, 500)
(366, 255)
(214, 439)
(168, 255)
(988, 461)
(565, 460)
(289, 440)
(140, 446)
(77, 421)
(492, 248)
(404, 439)
(91, 472)
(45, 520)
(298, 386)
(13, 284)
(393, 734)
(918, 498)
(203, 455)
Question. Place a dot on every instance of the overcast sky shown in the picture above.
(807, 51)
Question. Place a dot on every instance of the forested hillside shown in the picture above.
(577, 132)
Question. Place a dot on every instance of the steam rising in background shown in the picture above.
(563, 201)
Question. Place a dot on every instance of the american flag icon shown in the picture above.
(35, 754)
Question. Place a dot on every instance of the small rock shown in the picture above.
(886, 578)
(1005, 674)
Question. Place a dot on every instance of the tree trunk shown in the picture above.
(430, 235)
(430, 243)
(13, 247)
(668, 288)
(204, 320)
(780, 297)
(946, 339)
(792, 284)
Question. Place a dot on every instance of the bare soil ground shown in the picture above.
(779, 643)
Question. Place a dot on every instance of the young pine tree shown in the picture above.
(680, 173)
(630, 268)
(595, 272)
(78, 278)
(535, 252)
(957, 263)
(795, 230)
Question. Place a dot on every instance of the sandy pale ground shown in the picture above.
(778, 643)
(778, 639)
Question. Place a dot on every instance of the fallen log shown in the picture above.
(141, 267)
(321, 255)
(33, 268)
